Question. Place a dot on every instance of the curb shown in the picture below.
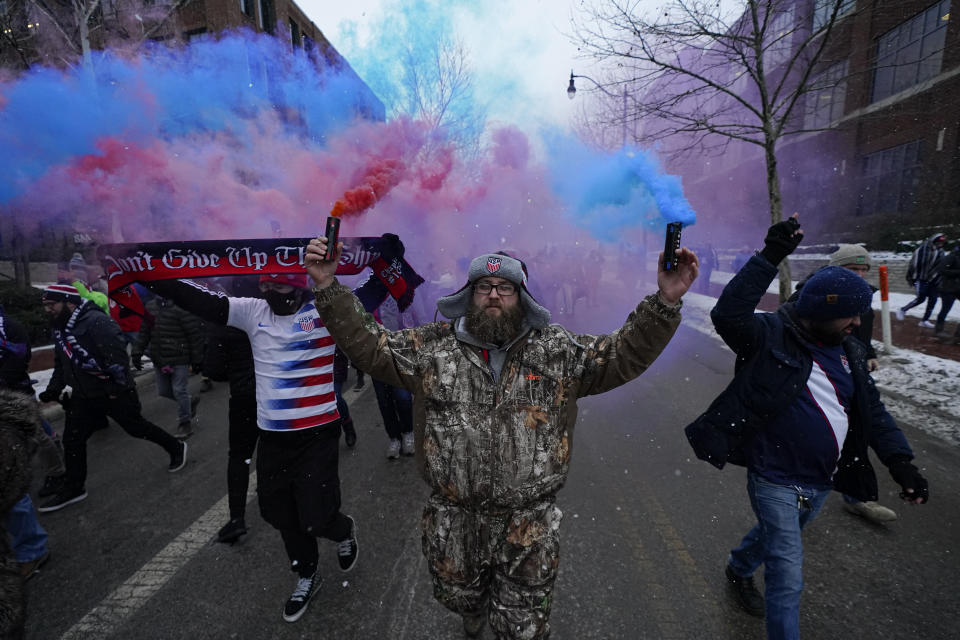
(54, 410)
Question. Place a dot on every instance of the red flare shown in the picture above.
(378, 180)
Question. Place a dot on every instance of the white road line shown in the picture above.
(105, 618)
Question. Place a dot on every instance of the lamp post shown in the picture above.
(572, 92)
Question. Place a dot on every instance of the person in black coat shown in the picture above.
(856, 258)
(799, 414)
(91, 358)
(948, 269)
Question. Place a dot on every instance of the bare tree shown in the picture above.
(437, 88)
(711, 76)
(73, 28)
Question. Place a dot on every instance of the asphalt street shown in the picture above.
(646, 531)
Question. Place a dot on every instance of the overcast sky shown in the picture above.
(515, 40)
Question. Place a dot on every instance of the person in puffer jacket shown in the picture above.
(176, 343)
(495, 402)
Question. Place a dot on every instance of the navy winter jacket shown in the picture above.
(772, 368)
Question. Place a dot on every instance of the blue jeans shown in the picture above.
(27, 537)
(775, 542)
(174, 386)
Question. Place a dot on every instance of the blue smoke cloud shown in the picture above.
(49, 116)
(609, 193)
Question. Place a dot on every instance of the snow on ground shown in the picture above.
(918, 389)
(897, 300)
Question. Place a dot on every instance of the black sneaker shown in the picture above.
(32, 567)
(349, 433)
(232, 531)
(348, 550)
(297, 604)
(52, 485)
(184, 431)
(177, 461)
(748, 596)
(63, 498)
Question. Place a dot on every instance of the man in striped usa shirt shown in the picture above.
(297, 466)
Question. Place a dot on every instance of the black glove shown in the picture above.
(782, 238)
(47, 395)
(907, 476)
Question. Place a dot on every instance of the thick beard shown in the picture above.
(498, 330)
(826, 336)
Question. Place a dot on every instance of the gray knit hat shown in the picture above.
(498, 265)
(850, 254)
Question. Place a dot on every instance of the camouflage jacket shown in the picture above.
(484, 444)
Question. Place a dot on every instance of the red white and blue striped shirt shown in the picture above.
(293, 361)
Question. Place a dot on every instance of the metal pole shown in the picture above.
(885, 307)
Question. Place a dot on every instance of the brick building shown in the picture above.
(28, 37)
(886, 166)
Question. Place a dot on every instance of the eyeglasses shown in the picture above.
(505, 289)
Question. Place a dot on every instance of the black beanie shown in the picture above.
(833, 292)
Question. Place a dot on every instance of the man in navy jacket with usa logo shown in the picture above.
(799, 414)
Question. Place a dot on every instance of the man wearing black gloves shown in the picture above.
(799, 414)
(91, 357)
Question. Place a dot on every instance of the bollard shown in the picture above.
(885, 307)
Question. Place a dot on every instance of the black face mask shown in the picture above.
(283, 304)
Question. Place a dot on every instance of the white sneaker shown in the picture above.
(406, 446)
(872, 511)
(900, 314)
(926, 324)
(393, 450)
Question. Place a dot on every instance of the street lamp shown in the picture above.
(572, 92)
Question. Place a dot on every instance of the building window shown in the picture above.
(195, 34)
(890, 179)
(826, 97)
(778, 41)
(268, 16)
(823, 9)
(294, 33)
(912, 52)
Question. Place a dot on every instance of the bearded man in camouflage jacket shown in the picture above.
(495, 402)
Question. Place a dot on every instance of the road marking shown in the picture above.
(106, 618)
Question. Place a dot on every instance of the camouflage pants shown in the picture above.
(503, 562)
